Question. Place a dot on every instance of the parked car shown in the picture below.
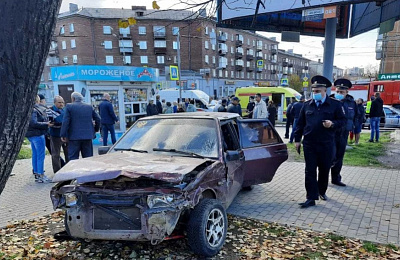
(389, 118)
(168, 175)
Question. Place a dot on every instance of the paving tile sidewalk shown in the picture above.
(368, 208)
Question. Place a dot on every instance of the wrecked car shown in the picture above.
(168, 176)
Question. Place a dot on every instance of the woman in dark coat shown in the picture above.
(271, 112)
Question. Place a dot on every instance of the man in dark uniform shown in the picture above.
(350, 108)
(319, 119)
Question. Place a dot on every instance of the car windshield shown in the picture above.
(198, 136)
(396, 110)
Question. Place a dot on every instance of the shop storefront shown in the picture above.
(130, 88)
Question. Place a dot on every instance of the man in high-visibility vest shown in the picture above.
(369, 103)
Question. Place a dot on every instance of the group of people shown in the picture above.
(71, 128)
(162, 107)
(323, 125)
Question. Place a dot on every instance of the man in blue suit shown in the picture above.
(108, 119)
(79, 126)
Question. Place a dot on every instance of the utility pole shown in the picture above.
(179, 64)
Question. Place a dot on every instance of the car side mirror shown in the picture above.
(232, 156)
(103, 149)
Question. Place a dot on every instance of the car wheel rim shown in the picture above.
(215, 227)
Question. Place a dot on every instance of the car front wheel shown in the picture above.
(207, 228)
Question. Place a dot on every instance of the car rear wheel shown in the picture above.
(207, 228)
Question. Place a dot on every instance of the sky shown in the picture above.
(358, 51)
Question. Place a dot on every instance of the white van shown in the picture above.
(172, 95)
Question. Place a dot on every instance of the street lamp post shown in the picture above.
(179, 64)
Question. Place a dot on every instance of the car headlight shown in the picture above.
(70, 199)
(155, 201)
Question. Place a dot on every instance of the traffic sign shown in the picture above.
(305, 78)
(174, 74)
(284, 82)
(260, 63)
(305, 84)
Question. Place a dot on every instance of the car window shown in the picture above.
(388, 111)
(257, 133)
(199, 136)
(229, 137)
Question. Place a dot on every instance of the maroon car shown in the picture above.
(168, 175)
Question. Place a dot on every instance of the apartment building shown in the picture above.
(388, 50)
(317, 68)
(292, 63)
(213, 59)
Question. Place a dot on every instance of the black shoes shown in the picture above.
(370, 140)
(323, 197)
(339, 183)
(308, 203)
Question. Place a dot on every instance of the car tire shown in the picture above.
(207, 227)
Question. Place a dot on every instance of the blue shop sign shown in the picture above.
(104, 73)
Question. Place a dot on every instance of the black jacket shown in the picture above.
(38, 124)
(376, 108)
(272, 111)
(360, 114)
(107, 114)
(296, 108)
(350, 108)
(152, 110)
(159, 106)
(235, 109)
(311, 117)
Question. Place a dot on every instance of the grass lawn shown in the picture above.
(25, 152)
(364, 154)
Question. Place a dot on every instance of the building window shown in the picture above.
(73, 44)
(74, 58)
(62, 30)
(206, 30)
(142, 30)
(47, 62)
(160, 59)
(106, 29)
(213, 59)
(65, 60)
(125, 31)
(71, 28)
(160, 44)
(49, 76)
(254, 43)
(232, 37)
(232, 50)
(143, 45)
(42, 77)
(214, 73)
(108, 45)
(175, 45)
(144, 59)
(220, 73)
(109, 59)
(175, 59)
(63, 45)
(232, 74)
(213, 46)
(175, 30)
(159, 31)
(242, 74)
(226, 74)
(248, 75)
(127, 60)
(206, 59)
(206, 45)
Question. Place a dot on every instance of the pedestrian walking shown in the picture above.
(271, 112)
(375, 116)
(57, 117)
(168, 108)
(108, 119)
(222, 107)
(175, 107)
(42, 104)
(38, 126)
(260, 108)
(319, 119)
(191, 107)
(250, 107)
(359, 120)
(79, 127)
(295, 114)
(159, 105)
(342, 134)
(289, 118)
(151, 109)
(234, 107)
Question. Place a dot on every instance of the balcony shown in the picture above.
(222, 52)
(274, 60)
(250, 69)
(53, 51)
(305, 67)
(238, 67)
(239, 43)
(259, 55)
(273, 51)
(238, 55)
(290, 65)
(259, 70)
(125, 50)
(160, 50)
(259, 47)
(221, 38)
(250, 57)
(285, 64)
(273, 71)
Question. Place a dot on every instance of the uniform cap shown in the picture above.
(235, 99)
(320, 81)
(343, 84)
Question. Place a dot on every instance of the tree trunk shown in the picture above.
(26, 28)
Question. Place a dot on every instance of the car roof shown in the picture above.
(201, 115)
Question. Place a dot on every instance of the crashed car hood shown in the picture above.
(130, 164)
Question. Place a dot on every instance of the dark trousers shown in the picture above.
(317, 155)
(85, 147)
(105, 128)
(56, 160)
(289, 122)
(340, 149)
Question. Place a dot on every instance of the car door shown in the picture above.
(392, 118)
(263, 149)
(234, 167)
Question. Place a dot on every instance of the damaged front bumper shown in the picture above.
(119, 217)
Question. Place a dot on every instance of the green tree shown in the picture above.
(296, 83)
(26, 27)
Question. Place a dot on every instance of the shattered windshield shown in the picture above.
(197, 136)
